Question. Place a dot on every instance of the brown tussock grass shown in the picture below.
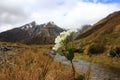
(33, 64)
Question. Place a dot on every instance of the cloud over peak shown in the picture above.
(65, 13)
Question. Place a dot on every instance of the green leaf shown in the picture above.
(70, 54)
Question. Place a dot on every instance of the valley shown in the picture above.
(26, 52)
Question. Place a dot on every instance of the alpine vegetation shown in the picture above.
(64, 46)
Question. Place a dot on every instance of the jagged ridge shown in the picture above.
(32, 33)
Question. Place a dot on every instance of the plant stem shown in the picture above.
(73, 69)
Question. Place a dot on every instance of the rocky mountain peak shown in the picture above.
(32, 33)
(28, 26)
(50, 25)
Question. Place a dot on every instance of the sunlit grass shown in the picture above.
(101, 59)
(32, 63)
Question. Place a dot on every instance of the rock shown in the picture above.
(5, 48)
(51, 53)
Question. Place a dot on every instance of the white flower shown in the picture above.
(61, 37)
(59, 41)
(56, 47)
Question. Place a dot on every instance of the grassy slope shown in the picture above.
(107, 33)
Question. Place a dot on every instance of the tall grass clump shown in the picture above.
(30, 64)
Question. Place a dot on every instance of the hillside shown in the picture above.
(106, 31)
(101, 42)
(32, 33)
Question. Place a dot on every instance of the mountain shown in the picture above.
(105, 31)
(32, 33)
(100, 43)
(83, 28)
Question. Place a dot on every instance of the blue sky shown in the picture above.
(103, 1)
(65, 13)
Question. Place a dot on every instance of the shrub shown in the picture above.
(115, 52)
(80, 50)
(96, 49)
(81, 77)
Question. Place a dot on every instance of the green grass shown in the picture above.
(101, 59)
(107, 40)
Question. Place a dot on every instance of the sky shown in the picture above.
(64, 13)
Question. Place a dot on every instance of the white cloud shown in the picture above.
(88, 13)
(82, 13)
(3, 28)
(65, 13)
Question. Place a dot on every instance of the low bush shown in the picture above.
(96, 49)
(79, 50)
(115, 52)
(81, 77)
